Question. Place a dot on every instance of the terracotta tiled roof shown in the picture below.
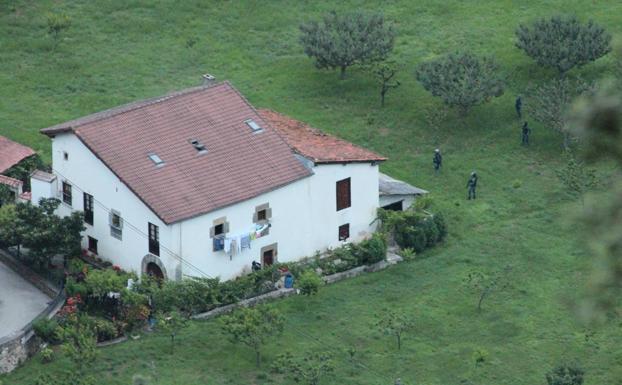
(26, 196)
(239, 163)
(316, 145)
(10, 181)
(11, 153)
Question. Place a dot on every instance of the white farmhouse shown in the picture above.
(199, 183)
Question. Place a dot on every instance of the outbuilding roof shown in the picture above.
(11, 182)
(390, 186)
(189, 152)
(315, 145)
(11, 153)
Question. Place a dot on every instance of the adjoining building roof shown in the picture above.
(11, 182)
(151, 146)
(315, 145)
(11, 153)
(43, 176)
(390, 186)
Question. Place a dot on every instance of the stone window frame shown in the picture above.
(219, 221)
(275, 253)
(268, 210)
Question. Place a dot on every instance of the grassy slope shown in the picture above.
(118, 51)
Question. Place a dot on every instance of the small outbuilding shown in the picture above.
(395, 194)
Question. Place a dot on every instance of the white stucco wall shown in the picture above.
(304, 220)
(304, 216)
(86, 173)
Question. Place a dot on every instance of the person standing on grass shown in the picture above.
(437, 160)
(471, 186)
(519, 106)
(525, 134)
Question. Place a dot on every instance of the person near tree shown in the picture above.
(437, 160)
(471, 186)
(525, 134)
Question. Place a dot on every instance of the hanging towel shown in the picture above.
(219, 244)
(234, 247)
(227, 245)
(253, 236)
(238, 243)
(245, 242)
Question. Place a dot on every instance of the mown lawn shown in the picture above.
(118, 51)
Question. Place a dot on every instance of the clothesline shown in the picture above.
(236, 243)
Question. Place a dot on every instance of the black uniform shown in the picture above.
(525, 134)
(471, 186)
(519, 107)
(438, 161)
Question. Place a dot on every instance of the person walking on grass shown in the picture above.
(519, 107)
(525, 134)
(471, 186)
(437, 160)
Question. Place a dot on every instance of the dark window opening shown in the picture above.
(396, 206)
(200, 147)
(65, 155)
(268, 257)
(92, 245)
(261, 215)
(344, 232)
(88, 209)
(219, 229)
(154, 239)
(67, 198)
(343, 194)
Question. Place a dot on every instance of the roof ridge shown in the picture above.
(129, 107)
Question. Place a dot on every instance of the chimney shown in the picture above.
(208, 80)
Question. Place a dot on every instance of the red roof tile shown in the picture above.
(10, 181)
(26, 196)
(316, 145)
(239, 163)
(11, 153)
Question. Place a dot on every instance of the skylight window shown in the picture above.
(253, 125)
(156, 159)
(200, 147)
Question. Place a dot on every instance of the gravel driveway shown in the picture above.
(20, 302)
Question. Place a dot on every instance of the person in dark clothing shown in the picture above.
(438, 161)
(472, 185)
(525, 134)
(519, 107)
(256, 266)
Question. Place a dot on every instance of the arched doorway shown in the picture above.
(154, 270)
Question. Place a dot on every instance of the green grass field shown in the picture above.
(119, 51)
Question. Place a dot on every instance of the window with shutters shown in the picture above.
(116, 224)
(88, 209)
(67, 198)
(154, 239)
(343, 194)
(344, 232)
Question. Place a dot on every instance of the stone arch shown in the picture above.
(150, 258)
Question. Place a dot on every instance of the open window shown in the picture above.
(218, 232)
(344, 232)
(262, 216)
(92, 247)
(116, 224)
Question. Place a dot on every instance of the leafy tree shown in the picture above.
(549, 103)
(462, 80)
(485, 285)
(253, 327)
(8, 234)
(309, 283)
(171, 324)
(565, 374)
(384, 73)
(57, 24)
(342, 40)
(395, 323)
(24, 168)
(563, 42)
(7, 196)
(79, 343)
(577, 178)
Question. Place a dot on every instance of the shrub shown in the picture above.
(371, 250)
(103, 329)
(439, 220)
(432, 234)
(309, 283)
(47, 355)
(408, 254)
(46, 329)
(565, 374)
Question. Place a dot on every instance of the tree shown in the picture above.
(171, 324)
(565, 374)
(384, 72)
(462, 80)
(253, 327)
(550, 102)
(395, 323)
(577, 178)
(57, 23)
(484, 285)
(343, 40)
(563, 42)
